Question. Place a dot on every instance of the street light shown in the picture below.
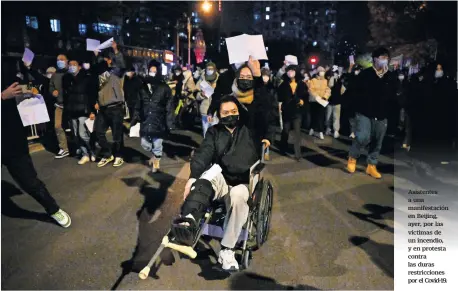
(206, 6)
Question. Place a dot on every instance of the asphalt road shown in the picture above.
(329, 229)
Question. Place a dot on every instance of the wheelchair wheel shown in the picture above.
(246, 259)
(263, 213)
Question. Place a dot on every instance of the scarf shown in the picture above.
(243, 97)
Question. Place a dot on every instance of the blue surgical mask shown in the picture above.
(73, 69)
(61, 64)
(381, 63)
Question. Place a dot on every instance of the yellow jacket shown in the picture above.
(319, 88)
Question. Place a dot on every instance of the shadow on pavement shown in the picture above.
(253, 281)
(134, 156)
(147, 214)
(382, 255)
(10, 209)
(377, 212)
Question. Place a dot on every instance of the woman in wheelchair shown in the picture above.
(220, 169)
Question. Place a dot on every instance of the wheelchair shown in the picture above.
(253, 235)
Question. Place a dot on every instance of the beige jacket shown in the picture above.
(319, 88)
(205, 101)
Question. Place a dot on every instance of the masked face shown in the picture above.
(321, 74)
(152, 74)
(61, 64)
(73, 69)
(244, 84)
(291, 74)
(177, 73)
(230, 121)
(49, 75)
(401, 77)
(265, 78)
(420, 78)
(357, 73)
(439, 74)
(306, 78)
(210, 72)
(86, 66)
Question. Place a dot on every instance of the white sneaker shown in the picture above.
(83, 160)
(227, 259)
(93, 158)
(118, 162)
(311, 132)
(62, 218)
(103, 162)
(320, 135)
(62, 154)
(336, 134)
(352, 135)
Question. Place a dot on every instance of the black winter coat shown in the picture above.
(80, 95)
(264, 112)
(154, 110)
(290, 102)
(132, 87)
(235, 153)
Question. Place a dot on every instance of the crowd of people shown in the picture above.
(245, 106)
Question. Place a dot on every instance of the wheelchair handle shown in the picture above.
(264, 150)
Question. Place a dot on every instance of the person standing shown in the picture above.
(56, 90)
(153, 109)
(110, 105)
(291, 94)
(318, 88)
(374, 90)
(334, 107)
(80, 96)
(211, 77)
(132, 87)
(16, 157)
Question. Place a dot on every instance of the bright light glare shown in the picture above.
(206, 6)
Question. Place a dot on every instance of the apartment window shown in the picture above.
(148, 19)
(55, 25)
(256, 17)
(104, 28)
(267, 17)
(31, 21)
(82, 28)
(282, 24)
(267, 9)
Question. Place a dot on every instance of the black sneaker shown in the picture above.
(62, 154)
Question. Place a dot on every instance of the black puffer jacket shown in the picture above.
(132, 87)
(154, 109)
(290, 102)
(235, 153)
(223, 87)
(80, 95)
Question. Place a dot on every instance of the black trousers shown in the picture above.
(294, 124)
(318, 115)
(23, 172)
(110, 117)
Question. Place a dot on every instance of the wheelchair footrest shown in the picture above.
(184, 234)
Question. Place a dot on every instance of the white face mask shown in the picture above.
(439, 74)
(321, 74)
(357, 73)
(265, 78)
(86, 66)
(306, 78)
(152, 74)
(401, 77)
(130, 74)
(177, 73)
(210, 72)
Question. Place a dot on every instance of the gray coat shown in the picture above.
(56, 84)
(110, 90)
(205, 101)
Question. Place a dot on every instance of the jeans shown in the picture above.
(23, 172)
(110, 117)
(318, 115)
(334, 112)
(82, 135)
(60, 133)
(154, 147)
(368, 131)
(296, 126)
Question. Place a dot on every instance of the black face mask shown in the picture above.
(244, 85)
(230, 121)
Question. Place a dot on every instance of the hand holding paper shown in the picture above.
(241, 47)
(27, 57)
(94, 45)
